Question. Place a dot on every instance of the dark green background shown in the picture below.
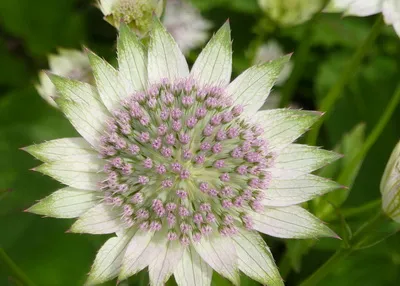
(30, 30)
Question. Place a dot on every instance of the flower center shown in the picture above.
(180, 158)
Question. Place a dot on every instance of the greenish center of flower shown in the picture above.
(180, 158)
(136, 13)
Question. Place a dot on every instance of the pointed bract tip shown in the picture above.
(156, 20)
(227, 24)
(123, 27)
(26, 210)
(42, 72)
(49, 73)
(344, 187)
(86, 49)
(118, 281)
(90, 54)
(337, 237)
(68, 231)
(33, 169)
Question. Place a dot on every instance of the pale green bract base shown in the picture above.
(74, 162)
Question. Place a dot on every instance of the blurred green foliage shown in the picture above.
(30, 30)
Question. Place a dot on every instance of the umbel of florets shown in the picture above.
(180, 157)
(137, 14)
(182, 166)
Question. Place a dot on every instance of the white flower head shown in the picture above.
(181, 164)
(389, 8)
(137, 14)
(71, 64)
(186, 25)
(290, 12)
(390, 186)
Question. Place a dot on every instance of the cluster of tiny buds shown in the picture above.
(183, 159)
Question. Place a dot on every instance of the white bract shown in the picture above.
(186, 25)
(71, 64)
(181, 165)
(389, 8)
(267, 52)
(270, 51)
(290, 12)
(390, 186)
(137, 14)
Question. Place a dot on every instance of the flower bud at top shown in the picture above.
(290, 12)
(137, 14)
(390, 186)
(72, 64)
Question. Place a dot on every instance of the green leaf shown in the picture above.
(334, 30)
(378, 232)
(64, 259)
(43, 24)
(349, 146)
(296, 249)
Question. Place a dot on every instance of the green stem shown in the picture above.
(300, 60)
(326, 268)
(285, 266)
(376, 132)
(14, 269)
(368, 226)
(352, 212)
(336, 91)
(342, 253)
(343, 177)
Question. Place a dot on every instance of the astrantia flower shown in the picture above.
(390, 186)
(186, 25)
(71, 64)
(290, 12)
(389, 8)
(180, 165)
(137, 14)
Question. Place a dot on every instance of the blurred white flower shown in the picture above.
(186, 25)
(137, 14)
(72, 64)
(390, 186)
(355, 7)
(391, 14)
(271, 51)
(389, 8)
(290, 12)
